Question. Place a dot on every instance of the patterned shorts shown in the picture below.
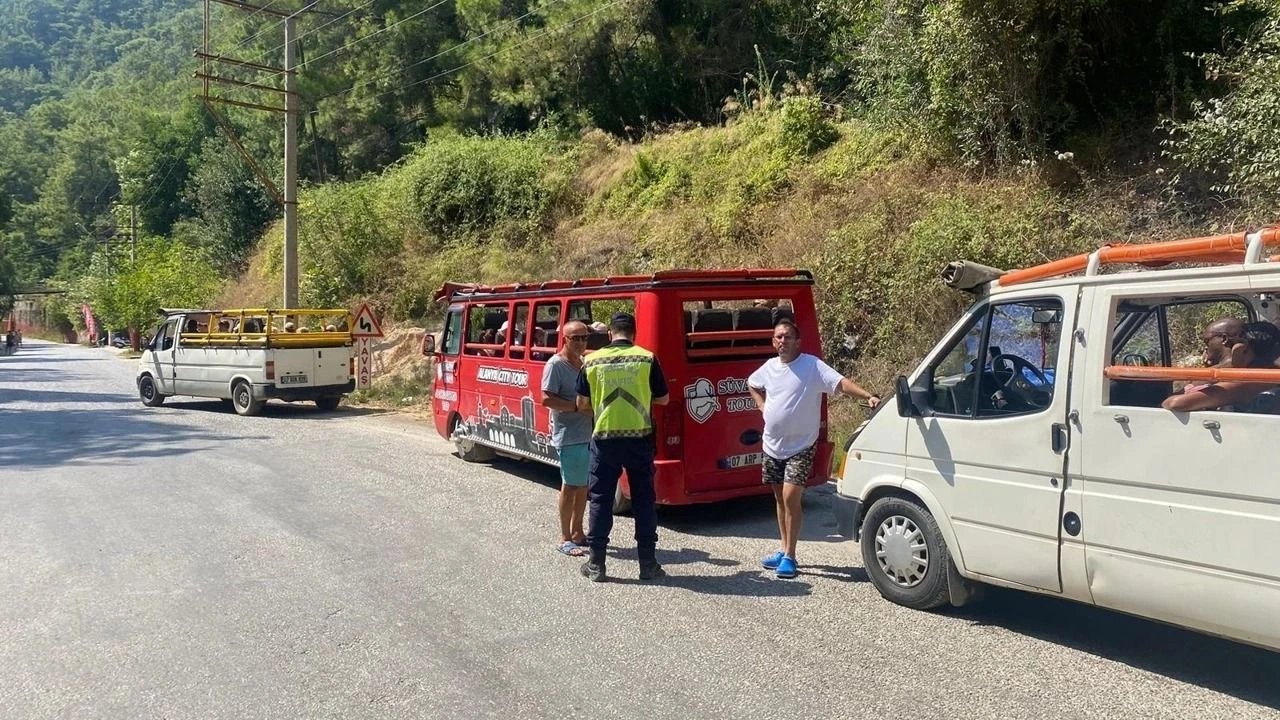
(792, 471)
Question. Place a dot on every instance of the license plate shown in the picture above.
(293, 379)
(744, 460)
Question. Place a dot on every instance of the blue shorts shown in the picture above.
(574, 460)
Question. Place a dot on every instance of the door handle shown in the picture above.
(1058, 433)
(1211, 424)
(1122, 419)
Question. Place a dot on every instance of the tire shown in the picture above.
(621, 503)
(469, 450)
(243, 401)
(904, 554)
(328, 402)
(148, 393)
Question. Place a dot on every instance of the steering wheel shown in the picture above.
(1017, 383)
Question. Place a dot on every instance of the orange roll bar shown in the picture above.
(1228, 248)
(1147, 372)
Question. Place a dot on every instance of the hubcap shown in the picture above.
(901, 551)
(242, 397)
(147, 389)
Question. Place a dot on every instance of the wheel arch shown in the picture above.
(916, 491)
(231, 384)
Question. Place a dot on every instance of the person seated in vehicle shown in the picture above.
(1256, 345)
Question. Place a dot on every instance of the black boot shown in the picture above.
(593, 569)
(650, 569)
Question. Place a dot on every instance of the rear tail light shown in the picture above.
(671, 430)
(271, 369)
(351, 366)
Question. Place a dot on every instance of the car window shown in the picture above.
(1003, 364)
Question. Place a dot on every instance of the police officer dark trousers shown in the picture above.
(620, 383)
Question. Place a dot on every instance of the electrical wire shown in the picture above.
(263, 57)
(526, 41)
(442, 53)
(370, 35)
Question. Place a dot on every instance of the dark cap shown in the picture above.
(622, 321)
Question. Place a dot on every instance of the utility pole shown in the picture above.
(288, 198)
(290, 168)
(133, 234)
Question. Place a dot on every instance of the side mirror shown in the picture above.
(902, 391)
(428, 344)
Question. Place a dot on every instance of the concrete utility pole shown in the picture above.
(290, 167)
(288, 198)
(133, 234)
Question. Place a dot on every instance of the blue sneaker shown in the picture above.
(771, 562)
(786, 568)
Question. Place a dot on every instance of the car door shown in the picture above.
(992, 445)
(1181, 510)
(163, 356)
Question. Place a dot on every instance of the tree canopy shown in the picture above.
(99, 125)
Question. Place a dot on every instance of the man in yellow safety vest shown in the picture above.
(619, 384)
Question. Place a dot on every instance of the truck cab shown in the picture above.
(1032, 448)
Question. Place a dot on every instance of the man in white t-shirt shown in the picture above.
(788, 390)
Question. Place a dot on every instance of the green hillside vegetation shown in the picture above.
(868, 141)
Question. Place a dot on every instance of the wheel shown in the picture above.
(621, 503)
(904, 553)
(469, 450)
(148, 392)
(242, 399)
(328, 402)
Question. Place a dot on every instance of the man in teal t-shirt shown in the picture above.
(571, 434)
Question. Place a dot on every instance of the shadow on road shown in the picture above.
(744, 583)
(303, 409)
(49, 438)
(55, 397)
(754, 518)
(750, 517)
(1242, 671)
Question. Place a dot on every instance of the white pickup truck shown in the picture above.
(246, 357)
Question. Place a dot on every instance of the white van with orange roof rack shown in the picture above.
(1032, 447)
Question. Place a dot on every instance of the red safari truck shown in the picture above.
(709, 330)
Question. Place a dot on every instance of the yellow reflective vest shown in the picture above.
(620, 394)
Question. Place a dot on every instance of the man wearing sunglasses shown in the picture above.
(788, 390)
(619, 385)
(571, 433)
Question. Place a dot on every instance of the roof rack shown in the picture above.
(452, 289)
(1243, 247)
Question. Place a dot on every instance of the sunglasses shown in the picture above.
(575, 338)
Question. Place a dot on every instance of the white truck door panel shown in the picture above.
(1181, 511)
(1001, 475)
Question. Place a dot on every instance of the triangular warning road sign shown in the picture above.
(365, 324)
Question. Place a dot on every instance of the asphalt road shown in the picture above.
(184, 562)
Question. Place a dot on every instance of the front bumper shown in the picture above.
(848, 512)
(309, 392)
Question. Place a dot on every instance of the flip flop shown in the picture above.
(569, 547)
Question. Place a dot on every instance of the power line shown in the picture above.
(274, 25)
(526, 41)
(442, 53)
(264, 55)
(243, 23)
(370, 35)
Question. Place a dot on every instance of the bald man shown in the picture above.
(1217, 351)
